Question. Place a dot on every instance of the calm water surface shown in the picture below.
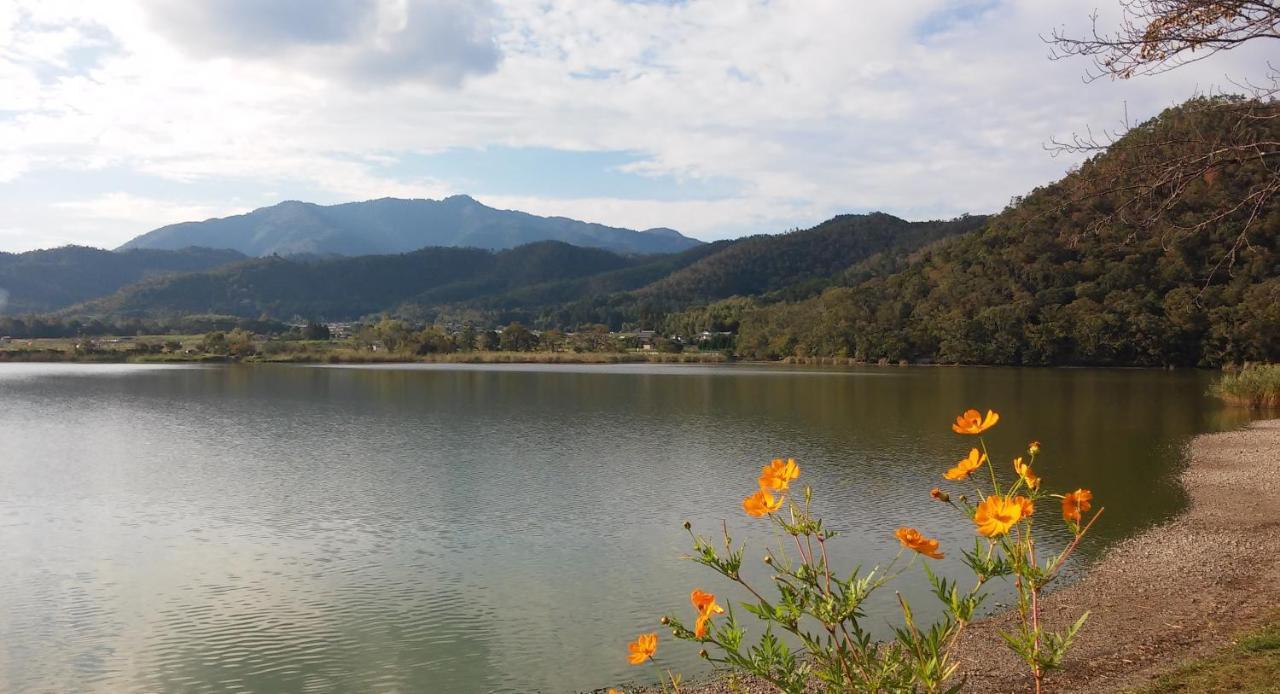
(480, 529)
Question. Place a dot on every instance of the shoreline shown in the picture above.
(1175, 592)
(1178, 591)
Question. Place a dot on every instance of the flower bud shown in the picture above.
(687, 525)
(703, 654)
(664, 620)
(1034, 448)
(940, 495)
(768, 559)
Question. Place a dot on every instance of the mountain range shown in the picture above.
(1055, 278)
(393, 225)
(518, 283)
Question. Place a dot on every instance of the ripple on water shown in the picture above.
(469, 530)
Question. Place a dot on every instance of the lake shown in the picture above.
(489, 528)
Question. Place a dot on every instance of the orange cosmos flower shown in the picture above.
(1024, 471)
(1027, 508)
(705, 604)
(996, 514)
(972, 422)
(642, 648)
(912, 539)
(1075, 505)
(761, 504)
(965, 467)
(778, 474)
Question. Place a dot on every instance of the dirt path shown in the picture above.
(1177, 591)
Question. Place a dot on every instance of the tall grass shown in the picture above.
(1256, 385)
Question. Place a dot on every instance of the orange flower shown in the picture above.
(705, 604)
(972, 422)
(1024, 471)
(1027, 508)
(1075, 505)
(642, 648)
(940, 495)
(996, 514)
(778, 474)
(761, 504)
(613, 691)
(912, 539)
(965, 467)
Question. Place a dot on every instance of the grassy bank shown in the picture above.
(1256, 385)
(1251, 665)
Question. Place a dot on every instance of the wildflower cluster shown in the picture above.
(822, 608)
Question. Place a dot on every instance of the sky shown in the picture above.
(719, 118)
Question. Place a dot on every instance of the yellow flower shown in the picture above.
(778, 474)
(761, 504)
(972, 422)
(613, 691)
(1024, 471)
(642, 648)
(912, 539)
(965, 467)
(1076, 504)
(996, 514)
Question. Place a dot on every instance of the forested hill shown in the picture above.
(547, 284)
(393, 225)
(347, 288)
(51, 279)
(1061, 278)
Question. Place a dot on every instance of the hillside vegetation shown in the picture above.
(347, 288)
(48, 280)
(1056, 279)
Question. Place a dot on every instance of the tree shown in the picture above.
(466, 340)
(315, 331)
(488, 341)
(239, 343)
(1156, 36)
(214, 343)
(517, 338)
(434, 340)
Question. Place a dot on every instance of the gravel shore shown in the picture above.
(1177, 591)
(1180, 590)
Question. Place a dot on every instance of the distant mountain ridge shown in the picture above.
(394, 225)
(51, 279)
(547, 283)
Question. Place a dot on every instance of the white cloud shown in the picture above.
(811, 108)
(132, 208)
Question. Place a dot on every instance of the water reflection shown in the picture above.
(477, 529)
